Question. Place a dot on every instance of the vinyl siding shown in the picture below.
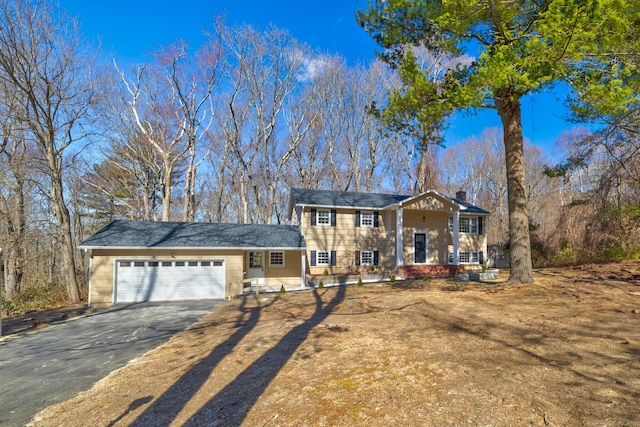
(345, 238)
(102, 271)
(436, 225)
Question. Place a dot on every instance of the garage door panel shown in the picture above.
(163, 280)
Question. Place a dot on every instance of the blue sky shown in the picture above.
(129, 29)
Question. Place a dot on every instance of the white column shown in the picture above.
(399, 239)
(303, 268)
(456, 237)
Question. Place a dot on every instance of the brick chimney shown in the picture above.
(461, 195)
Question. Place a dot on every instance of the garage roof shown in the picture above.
(194, 235)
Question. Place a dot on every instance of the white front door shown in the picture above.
(255, 267)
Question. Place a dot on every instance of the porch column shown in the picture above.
(303, 268)
(456, 237)
(399, 239)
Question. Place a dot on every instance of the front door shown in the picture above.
(420, 248)
(255, 267)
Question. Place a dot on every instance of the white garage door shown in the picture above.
(169, 280)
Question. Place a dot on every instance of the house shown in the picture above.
(427, 234)
(333, 232)
(134, 261)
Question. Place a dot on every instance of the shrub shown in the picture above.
(360, 282)
(282, 289)
(426, 278)
(320, 285)
(392, 279)
(326, 271)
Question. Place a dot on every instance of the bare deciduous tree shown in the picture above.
(43, 61)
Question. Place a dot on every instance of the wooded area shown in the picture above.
(220, 132)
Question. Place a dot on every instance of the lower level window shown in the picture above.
(366, 258)
(323, 258)
(466, 257)
(276, 259)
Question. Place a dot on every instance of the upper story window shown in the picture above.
(468, 225)
(323, 217)
(366, 219)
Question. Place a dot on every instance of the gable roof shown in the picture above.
(347, 199)
(194, 235)
(326, 198)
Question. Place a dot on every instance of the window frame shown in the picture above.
(370, 255)
(323, 253)
(473, 257)
(472, 224)
(320, 213)
(367, 219)
(271, 254)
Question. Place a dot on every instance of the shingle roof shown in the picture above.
(471, 208)
(327, 198)
(344, 198)
(151, 234)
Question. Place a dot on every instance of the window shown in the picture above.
(179, 263)
(205, 263)
(138, 264)
(166, 263)
(153, 263)
(366, 258)
(255, 259)
(467, 257)
(366, 219)
(125, 263)
(217, 263)
(276, 259)
(468, 225)
(323, 258)
(323, 217)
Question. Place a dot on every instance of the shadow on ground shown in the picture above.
(232, 404)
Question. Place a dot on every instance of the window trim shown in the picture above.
(474, 222)
(473, 256)
(271, 253)
(368, 253)
(328, 218)
(370, 216)
(322, 264)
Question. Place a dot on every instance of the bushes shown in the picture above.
(37, 298)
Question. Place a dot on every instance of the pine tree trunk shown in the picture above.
(519, 244)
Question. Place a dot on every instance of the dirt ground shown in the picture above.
(562, 352)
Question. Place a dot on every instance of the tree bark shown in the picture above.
(64, 229)
(508, 106)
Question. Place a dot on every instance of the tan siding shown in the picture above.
(437, 203)
(288, 275)
(102, 269)
(435, 223)
(345, 238)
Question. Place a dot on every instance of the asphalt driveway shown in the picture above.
(56, 363)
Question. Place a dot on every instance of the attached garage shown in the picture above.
(140, 280)
(137, 261)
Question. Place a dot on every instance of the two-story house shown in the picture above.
(427, 234)
(333, 232)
